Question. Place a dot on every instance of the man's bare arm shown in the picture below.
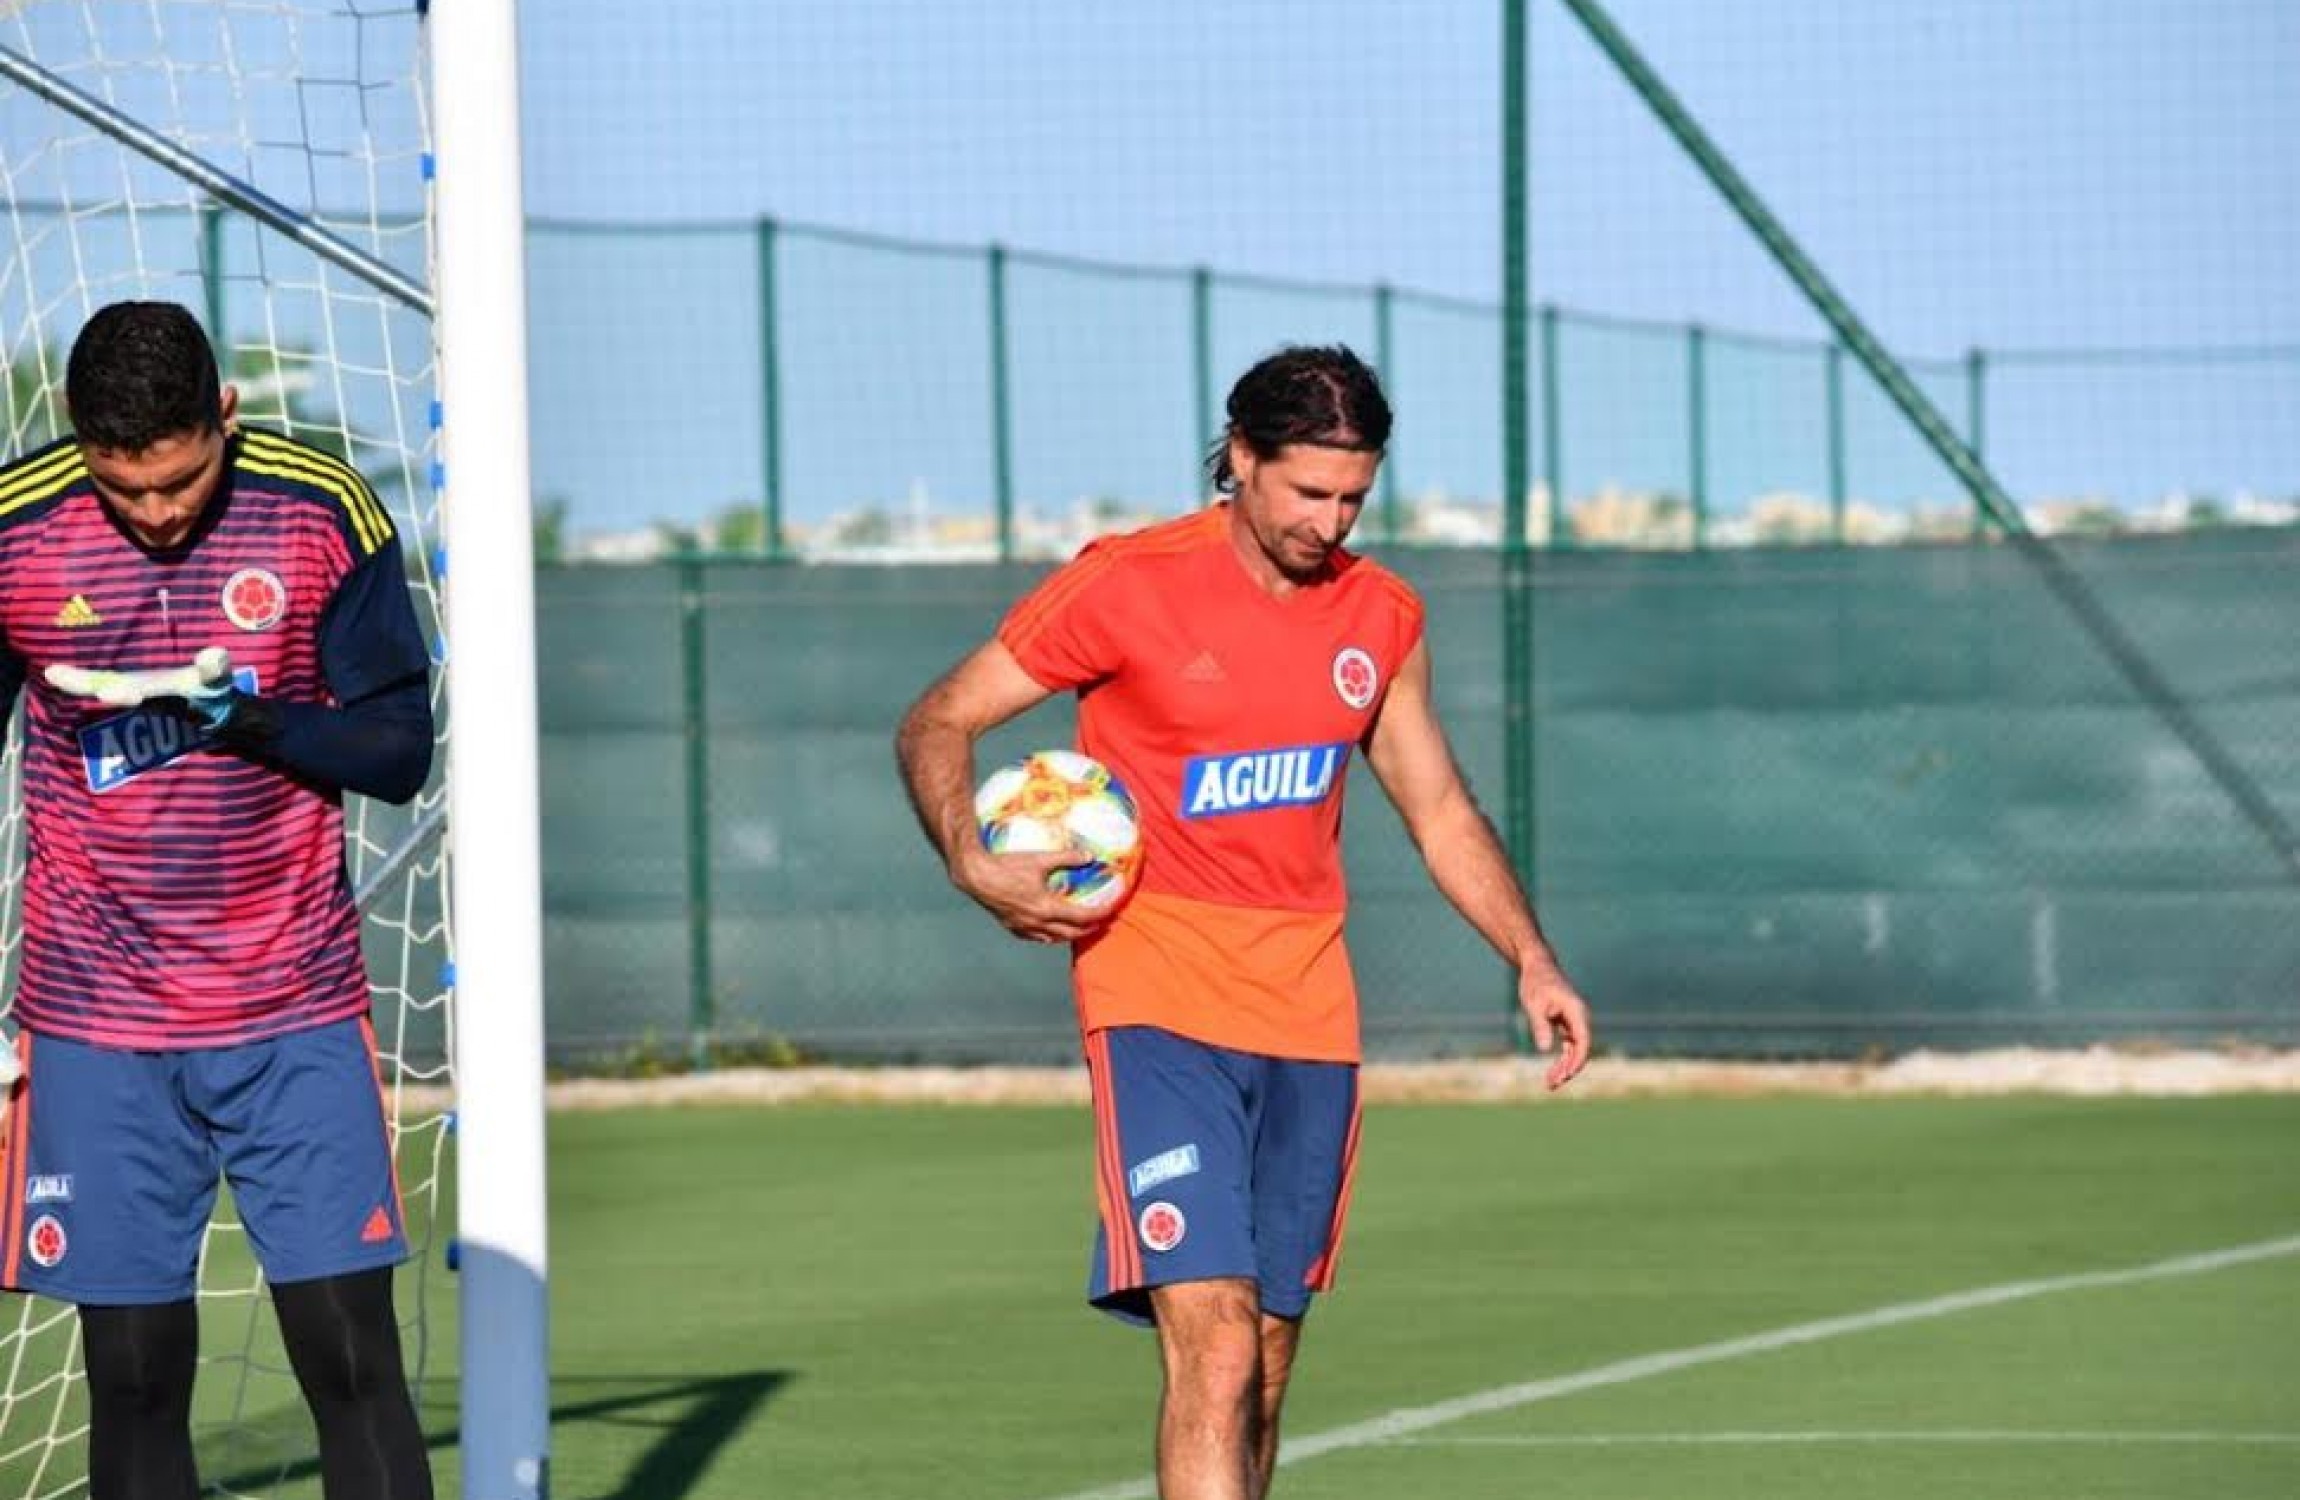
(934, 747)
(1410, 757)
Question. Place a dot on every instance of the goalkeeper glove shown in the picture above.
(213, 705)
(202, 692)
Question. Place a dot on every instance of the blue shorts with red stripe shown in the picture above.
(111, 1158)
(1216, 1163)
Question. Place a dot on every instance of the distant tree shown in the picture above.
(279, 387)
(2093, 520)
(1669, 520)
(740, 529)
(551, 529)
(870, 527)
(2206, 513)
(35, 400)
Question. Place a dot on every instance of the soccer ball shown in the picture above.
(1059, 799)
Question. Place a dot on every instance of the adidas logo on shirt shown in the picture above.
(77, 611)
(1204, 668)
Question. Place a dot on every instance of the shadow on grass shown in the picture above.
(692, 1419)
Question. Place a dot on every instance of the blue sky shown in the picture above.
(2041, 172)
(2044, 174)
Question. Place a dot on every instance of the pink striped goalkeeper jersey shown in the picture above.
(177, 894)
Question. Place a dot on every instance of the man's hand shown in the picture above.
(205, 686)
(212, 704)
(1012, 888)
(1553, 1007)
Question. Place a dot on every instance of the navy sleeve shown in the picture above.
(378, 747)
(379, 741)
(368, 638)
(12, 670)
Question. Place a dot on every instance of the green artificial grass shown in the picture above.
(850, 1303)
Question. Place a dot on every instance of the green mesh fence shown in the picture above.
(1812, 801)
(1665, 434)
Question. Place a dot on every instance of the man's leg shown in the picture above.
(1280, 1338)
(140, 1362)
(307, 1151)
(343, 1341)
(1210, 1337)
(106, 1190)
(1304, 1145)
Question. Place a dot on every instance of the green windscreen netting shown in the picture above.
(1789, 801)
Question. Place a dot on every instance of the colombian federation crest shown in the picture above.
(1162, 1226)
(254, 599)
(45, 1240)
(1354, 676)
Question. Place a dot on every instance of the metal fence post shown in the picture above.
(1697, 430)
(1976, 424)
(1001, 412)
(771, 538)
(1833, 380)
(1385, 365)
(1552, 436)
(1517, 645)
(695, 725)
(212, 282)
(1202, 364)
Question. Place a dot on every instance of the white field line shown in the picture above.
(1792, 1439)
(1407, 1421)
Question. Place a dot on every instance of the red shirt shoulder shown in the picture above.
(1065, 632)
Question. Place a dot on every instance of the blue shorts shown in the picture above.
(1214, 1163)
(109, 1167)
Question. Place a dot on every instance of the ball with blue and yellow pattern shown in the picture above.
(1060, 799)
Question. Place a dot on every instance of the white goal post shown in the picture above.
(492, 784)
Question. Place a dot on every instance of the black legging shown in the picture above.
(343, 1340)
(140, 1362)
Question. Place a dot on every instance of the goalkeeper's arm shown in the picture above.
(378, 746)
(12, 673)
(375, 739)
(377, 743)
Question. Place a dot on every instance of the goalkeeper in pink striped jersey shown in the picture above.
(209, 630)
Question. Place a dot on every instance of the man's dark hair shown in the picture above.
(140, 372)
(1321, 395)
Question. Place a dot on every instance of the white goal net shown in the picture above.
(170, 149)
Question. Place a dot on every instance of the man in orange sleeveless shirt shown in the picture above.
(1226, 665)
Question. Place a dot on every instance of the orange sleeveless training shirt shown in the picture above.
(1231, 716)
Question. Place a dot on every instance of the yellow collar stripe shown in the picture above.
(368, 514)
(42, 479)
